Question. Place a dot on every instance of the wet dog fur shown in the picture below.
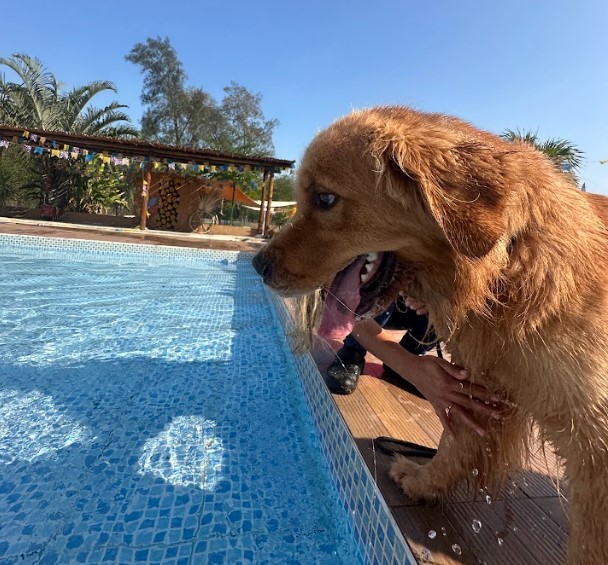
(511, 260)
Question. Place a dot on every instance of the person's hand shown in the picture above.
(415, 304)
(455, 399)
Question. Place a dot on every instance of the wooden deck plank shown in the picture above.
(389, 409)
(511, 532)
(417, 522)
(555, 509)
(359, 415)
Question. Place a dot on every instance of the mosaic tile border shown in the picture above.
(74, 248)
(374, 527)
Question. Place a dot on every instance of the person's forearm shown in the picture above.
(372, 338)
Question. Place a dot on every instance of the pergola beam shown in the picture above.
(138, 148)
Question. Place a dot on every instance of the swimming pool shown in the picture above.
(150, 411)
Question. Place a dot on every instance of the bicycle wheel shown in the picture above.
(194, 222)
(202, 221)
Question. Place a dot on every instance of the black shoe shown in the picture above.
(343, 374)
(391, 446)
(395, 378)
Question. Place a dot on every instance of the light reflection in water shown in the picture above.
(31, 426)
(186, 453)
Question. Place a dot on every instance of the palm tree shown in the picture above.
(566, 156)
(38, 102)
(80, 117)
(35, 102)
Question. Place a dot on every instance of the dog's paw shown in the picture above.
(413, 479)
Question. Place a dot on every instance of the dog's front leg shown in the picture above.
(588, 543)
(485, 462)
(588, 494)
(457, 459)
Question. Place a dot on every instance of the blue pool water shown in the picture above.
(149, 413)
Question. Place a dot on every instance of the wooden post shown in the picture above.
(262, 198)
(232, 205)
(145, 195)
(269, 205)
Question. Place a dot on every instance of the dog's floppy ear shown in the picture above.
(459, 185)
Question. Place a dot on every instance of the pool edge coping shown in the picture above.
(373, 524)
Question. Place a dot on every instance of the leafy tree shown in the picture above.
(205, 122)
(98, 189)
(566, 156)
(180, 115)
(175, 114)
(18, 177)
(283, 188)
(279, 219)
(247, 132)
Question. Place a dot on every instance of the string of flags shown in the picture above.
(40, 145)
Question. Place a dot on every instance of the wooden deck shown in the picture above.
(526, 524)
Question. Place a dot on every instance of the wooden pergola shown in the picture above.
(150, 155)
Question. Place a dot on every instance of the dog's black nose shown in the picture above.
(263, 265)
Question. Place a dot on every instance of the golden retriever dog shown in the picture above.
(510, 259)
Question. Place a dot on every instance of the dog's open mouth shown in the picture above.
(355, 291)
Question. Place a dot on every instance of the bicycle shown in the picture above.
(202, 221)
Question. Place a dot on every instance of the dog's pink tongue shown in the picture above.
(338, 317)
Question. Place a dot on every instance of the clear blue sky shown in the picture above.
(540, 65)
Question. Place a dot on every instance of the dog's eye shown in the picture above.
(325, 199)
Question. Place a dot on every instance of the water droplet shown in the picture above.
(515, 529)
(475, 472)
(425, 555)
(476, 526)
(500, 541)
(456, 549)
(432, 534)
(443, 531)
(488, 499)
